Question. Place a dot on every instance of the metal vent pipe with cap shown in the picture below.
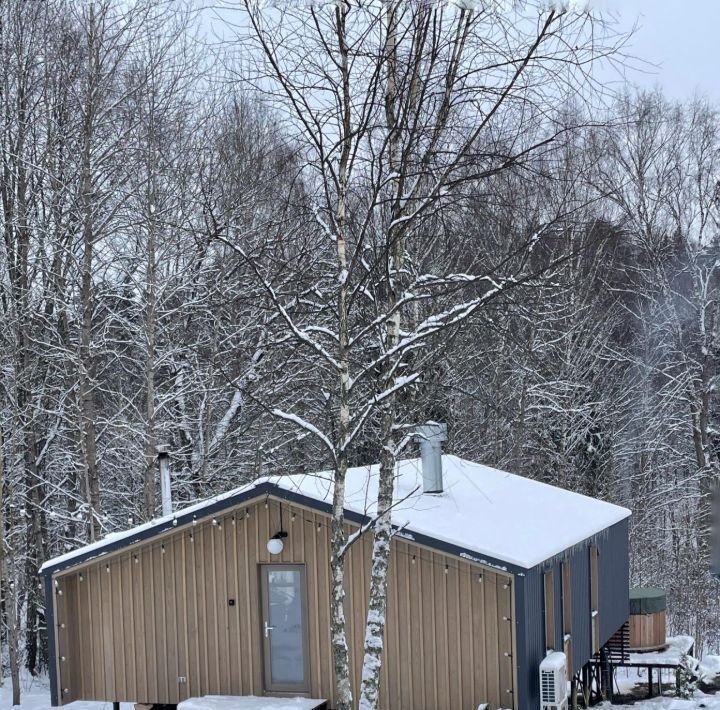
(431, 437)
(163, 454)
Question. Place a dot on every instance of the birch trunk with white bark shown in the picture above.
(382, 531)
(341, 661)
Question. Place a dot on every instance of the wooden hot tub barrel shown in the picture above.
(647, 619)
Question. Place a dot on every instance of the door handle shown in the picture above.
(267, 629)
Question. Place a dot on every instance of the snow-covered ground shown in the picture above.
(633, 681)
(668, 702)
(224, 702)
(36, 696)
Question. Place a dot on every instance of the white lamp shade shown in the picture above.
(275, 546)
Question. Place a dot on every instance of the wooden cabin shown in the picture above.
(486, 576)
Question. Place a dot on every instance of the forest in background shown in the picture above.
(163, 238)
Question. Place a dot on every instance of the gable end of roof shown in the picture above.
(266, 488)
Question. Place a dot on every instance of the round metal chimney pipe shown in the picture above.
(431, 437)
(163, 456)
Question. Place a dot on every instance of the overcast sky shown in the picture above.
(681, 36)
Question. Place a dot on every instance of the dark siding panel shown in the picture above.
(556, 566)
(580, 628)
(613, 567)
(580, 603)
(613, 579)
(530, 636)
(521, 643)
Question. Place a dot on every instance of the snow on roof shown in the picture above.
(486, 511)
(490, 512)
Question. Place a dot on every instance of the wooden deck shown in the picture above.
(619, 656)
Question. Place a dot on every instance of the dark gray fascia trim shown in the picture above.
(271, 489)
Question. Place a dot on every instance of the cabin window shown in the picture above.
(594, 599)
(549, 584)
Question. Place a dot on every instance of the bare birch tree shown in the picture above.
(396, 109)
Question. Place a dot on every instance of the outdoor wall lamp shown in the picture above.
(275, 543)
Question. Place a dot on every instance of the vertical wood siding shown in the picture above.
(141, 619)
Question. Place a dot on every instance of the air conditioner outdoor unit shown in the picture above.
(553, 682)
